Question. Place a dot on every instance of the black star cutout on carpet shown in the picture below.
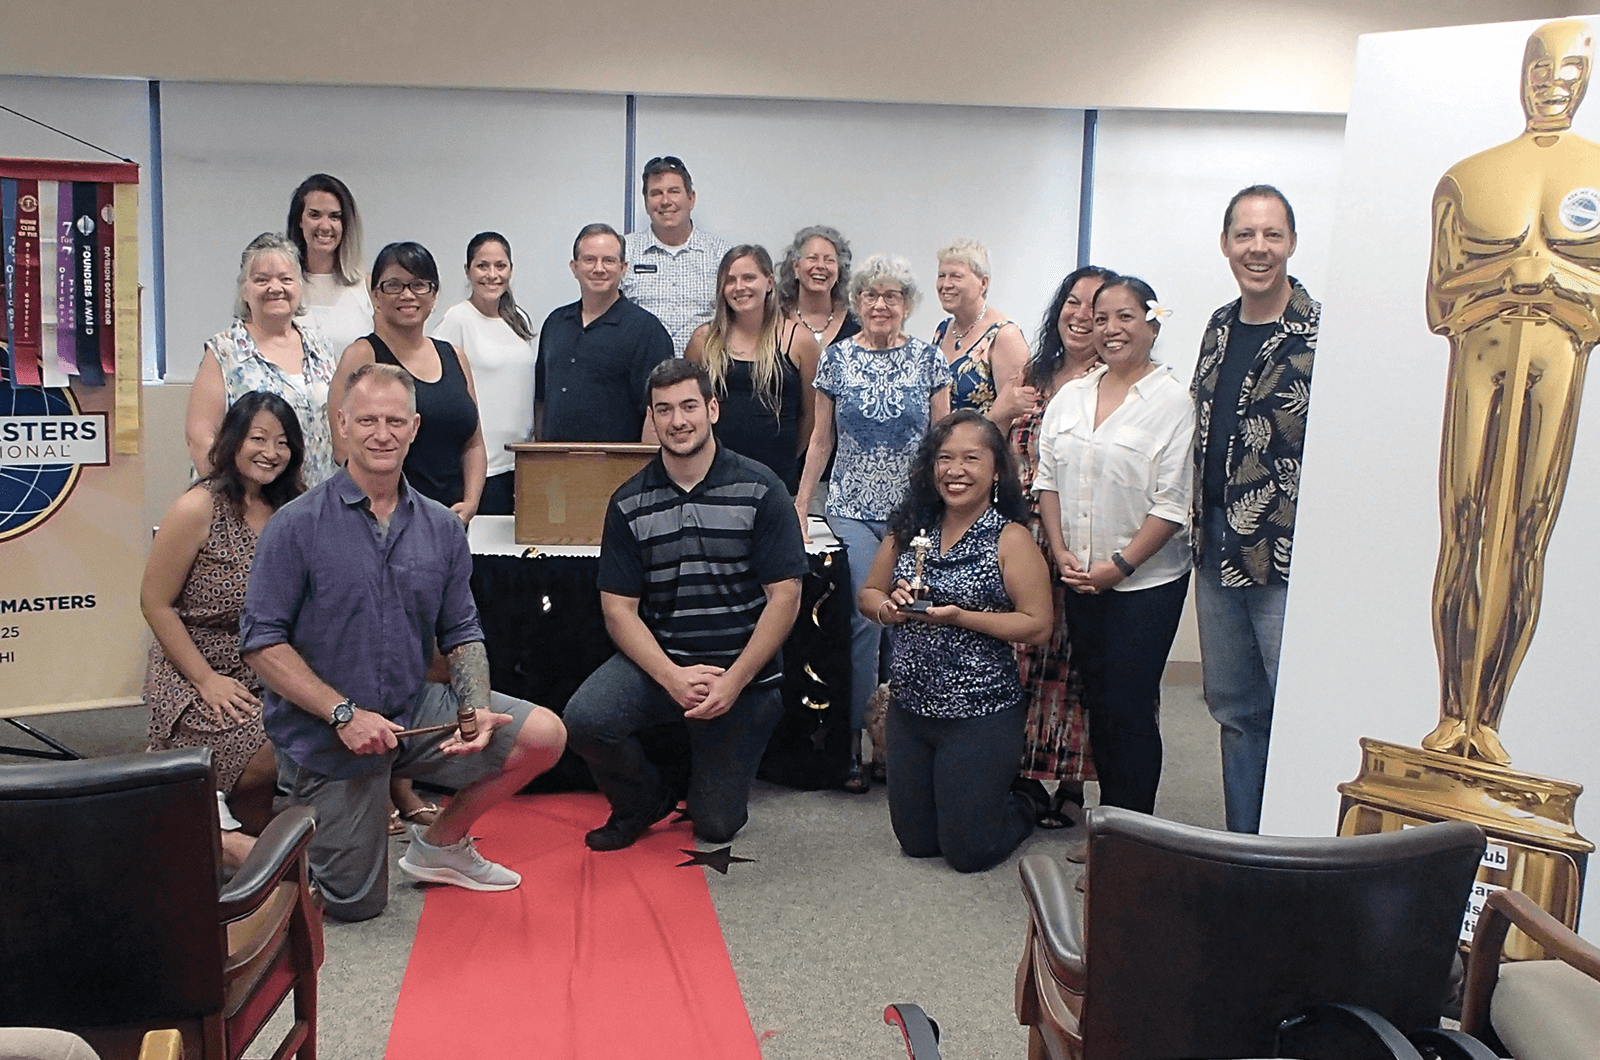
(714, 859)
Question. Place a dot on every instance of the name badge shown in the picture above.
(1580, 210)
(644, 268)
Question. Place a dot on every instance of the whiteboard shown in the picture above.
(113, 113)
(894, 178)
(431, 165)
(1161, 182)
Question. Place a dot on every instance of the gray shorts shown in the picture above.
(350, 851)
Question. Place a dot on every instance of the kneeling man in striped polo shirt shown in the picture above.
(700, 568)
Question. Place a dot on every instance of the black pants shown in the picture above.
(1120, 643)
(498, 492)
(949, 786)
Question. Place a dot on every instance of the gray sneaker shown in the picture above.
(459, 864)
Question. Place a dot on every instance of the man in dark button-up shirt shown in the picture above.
(595, 354)
(353, 585)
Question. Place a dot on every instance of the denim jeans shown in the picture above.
(1240, 634)
(617, 701)
(867, 640)
(949, 786)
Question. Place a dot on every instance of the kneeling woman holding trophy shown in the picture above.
(961, 579)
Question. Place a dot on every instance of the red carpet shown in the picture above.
(594, 957)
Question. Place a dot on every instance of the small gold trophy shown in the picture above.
(919, 587)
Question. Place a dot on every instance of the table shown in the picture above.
(544, 634)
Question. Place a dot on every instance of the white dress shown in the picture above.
(502, 371)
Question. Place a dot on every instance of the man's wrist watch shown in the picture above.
(1122, 563)
(342, 714)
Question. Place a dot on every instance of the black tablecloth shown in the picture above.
(544, 634)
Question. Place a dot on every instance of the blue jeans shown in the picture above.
(867, 640)
(1240, 634)
(617, 701)
(950, 786)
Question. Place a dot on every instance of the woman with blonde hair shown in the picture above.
(270, 346)
(761, 366)
(986, 350)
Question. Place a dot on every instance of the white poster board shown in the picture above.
(1358, 654)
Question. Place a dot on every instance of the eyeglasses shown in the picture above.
(416, 287)
(888, 298)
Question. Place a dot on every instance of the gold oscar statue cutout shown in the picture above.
(1514, 284)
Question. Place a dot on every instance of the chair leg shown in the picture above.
(305, 1010)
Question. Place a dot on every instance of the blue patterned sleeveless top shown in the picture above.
(944, 671)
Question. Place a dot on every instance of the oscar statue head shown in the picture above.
(1555, 74)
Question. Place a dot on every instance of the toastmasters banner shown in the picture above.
(72, 539)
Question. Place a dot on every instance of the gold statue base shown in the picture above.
(1534, 847)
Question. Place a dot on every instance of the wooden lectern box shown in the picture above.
(562, 488)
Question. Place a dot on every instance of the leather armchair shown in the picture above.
(39, 1043)
(1194, 943)
(116, 921)
(1535, 1010)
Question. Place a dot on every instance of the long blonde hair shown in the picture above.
(766, 369)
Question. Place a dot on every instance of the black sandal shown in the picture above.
(1055, 815)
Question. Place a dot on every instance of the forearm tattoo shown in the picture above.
(469, 674)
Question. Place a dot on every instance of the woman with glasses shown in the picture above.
(271, 346)
(447, 461)
(877, 393)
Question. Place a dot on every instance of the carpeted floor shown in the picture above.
(829, 923)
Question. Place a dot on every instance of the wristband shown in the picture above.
(886, 603)
(1123, 565)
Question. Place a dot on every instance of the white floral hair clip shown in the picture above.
(1156, 311)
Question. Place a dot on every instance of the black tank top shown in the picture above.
(449, 418)
(751, 428)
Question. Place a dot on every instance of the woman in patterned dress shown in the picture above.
(955, 725)
(877, 393)
(199, 692)
(985, 348)
(271, 347)
(1058, 730)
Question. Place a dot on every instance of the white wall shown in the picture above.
(112, 114)
(898, 179)
(1162, 180)
(1358, 654)
(432, 165)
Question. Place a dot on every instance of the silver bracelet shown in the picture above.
(886, 603)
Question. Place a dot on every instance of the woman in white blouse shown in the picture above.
(325, 226)
(496, 337)
(1114, 482)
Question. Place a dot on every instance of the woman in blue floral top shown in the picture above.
(957, 717)
(877, 393)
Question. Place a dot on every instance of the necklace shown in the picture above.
(983, 311)
(816, 333)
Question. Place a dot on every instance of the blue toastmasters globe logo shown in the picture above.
(35, 475)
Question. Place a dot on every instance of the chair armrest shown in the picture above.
(281, 848)
(162, 1045)
(1363, 1020)
(1501, 910)
(1452, 1045)
(1057, 911)
(920, 1032)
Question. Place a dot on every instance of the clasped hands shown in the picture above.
(702, 690)
(1101, 577)
(902, 597)
(370, 733)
